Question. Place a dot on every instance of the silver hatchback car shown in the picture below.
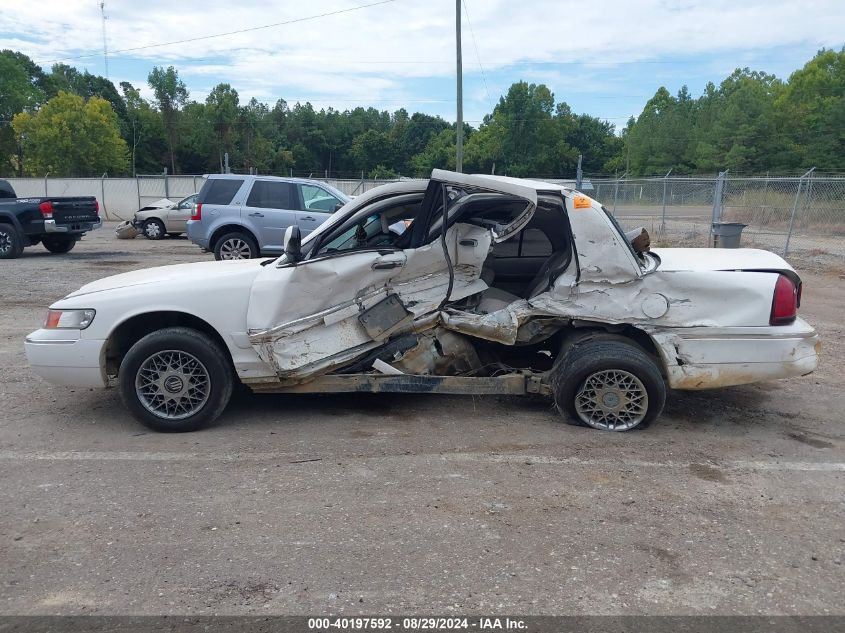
(241, 217)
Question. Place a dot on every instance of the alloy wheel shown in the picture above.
(172, 384)
(235, 248)
(612, 400)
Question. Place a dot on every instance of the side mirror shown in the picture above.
(293, 244)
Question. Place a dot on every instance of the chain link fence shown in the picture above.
(787, 215)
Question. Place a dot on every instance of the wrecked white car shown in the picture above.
(462, 285)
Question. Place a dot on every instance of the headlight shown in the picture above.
(69, 319)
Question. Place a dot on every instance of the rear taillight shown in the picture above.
(96, 207)
(46, 209)
(785, 302)
(197, 214)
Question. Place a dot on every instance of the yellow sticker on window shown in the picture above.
(581, 202)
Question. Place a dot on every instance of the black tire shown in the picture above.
(200, 356)
(59, 243)
(236, 242)
(11, 241)
(626, 370)
(153, 229)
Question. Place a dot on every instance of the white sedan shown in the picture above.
(532, 288)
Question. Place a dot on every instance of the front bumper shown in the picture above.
(62, 357)
(706, 358)
(50, 226)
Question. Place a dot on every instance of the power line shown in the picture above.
(478, 56)
(246, 30)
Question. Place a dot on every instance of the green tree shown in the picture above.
(223, 110)
(372, 148)
(811, 110)
(18, 93)
(145, 134)
(70, 136)
(439, 153)
(171, 95)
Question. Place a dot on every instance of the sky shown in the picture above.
(604, 58)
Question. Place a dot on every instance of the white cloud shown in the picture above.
(361, 57)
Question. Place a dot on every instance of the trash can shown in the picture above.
(727, 234)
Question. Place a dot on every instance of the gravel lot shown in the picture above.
(732, 503)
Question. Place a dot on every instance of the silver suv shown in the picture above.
(240, 217)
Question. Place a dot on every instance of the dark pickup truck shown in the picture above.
(55, 222)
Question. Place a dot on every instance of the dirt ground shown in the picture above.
(732, 503)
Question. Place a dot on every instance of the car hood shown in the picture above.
(192, 276)
(709, 259)
(162, 203)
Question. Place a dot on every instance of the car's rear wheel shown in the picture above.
(236, 245)
(11, 242)
(59, 243)
(609, 385)
(153, 229)
(175, 379)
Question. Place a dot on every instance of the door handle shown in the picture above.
(386, 264)
(256, 215)
(468, 242)
(308, 217)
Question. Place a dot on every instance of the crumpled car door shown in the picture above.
(306, 319)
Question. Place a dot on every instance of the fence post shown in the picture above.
(166, 187)
(138, 186)
(663, 216)
(615, 194)
(718, 192)
(46, 195)
(195, 184)
(808, 198)
(103, 194)
(794, 209)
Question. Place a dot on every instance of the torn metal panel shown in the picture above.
(710, 357)
(316, 331)
(385, 318)
(439, 352)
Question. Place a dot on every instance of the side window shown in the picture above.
(508, 248)
(269, 194)
(219, 190)
(385, 226)
(317, 199)
(529, 243)
(535, 244)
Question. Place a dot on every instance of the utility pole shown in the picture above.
(105, 45)
(459, 157)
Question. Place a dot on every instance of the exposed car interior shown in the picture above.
(520, 267)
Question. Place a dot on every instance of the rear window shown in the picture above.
(219, 190)
(268, 194)
(6, 190)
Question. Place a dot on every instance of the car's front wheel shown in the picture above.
(176, 379)
(153, 229)
(611, 385)
(236, 245)
(59, 243)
